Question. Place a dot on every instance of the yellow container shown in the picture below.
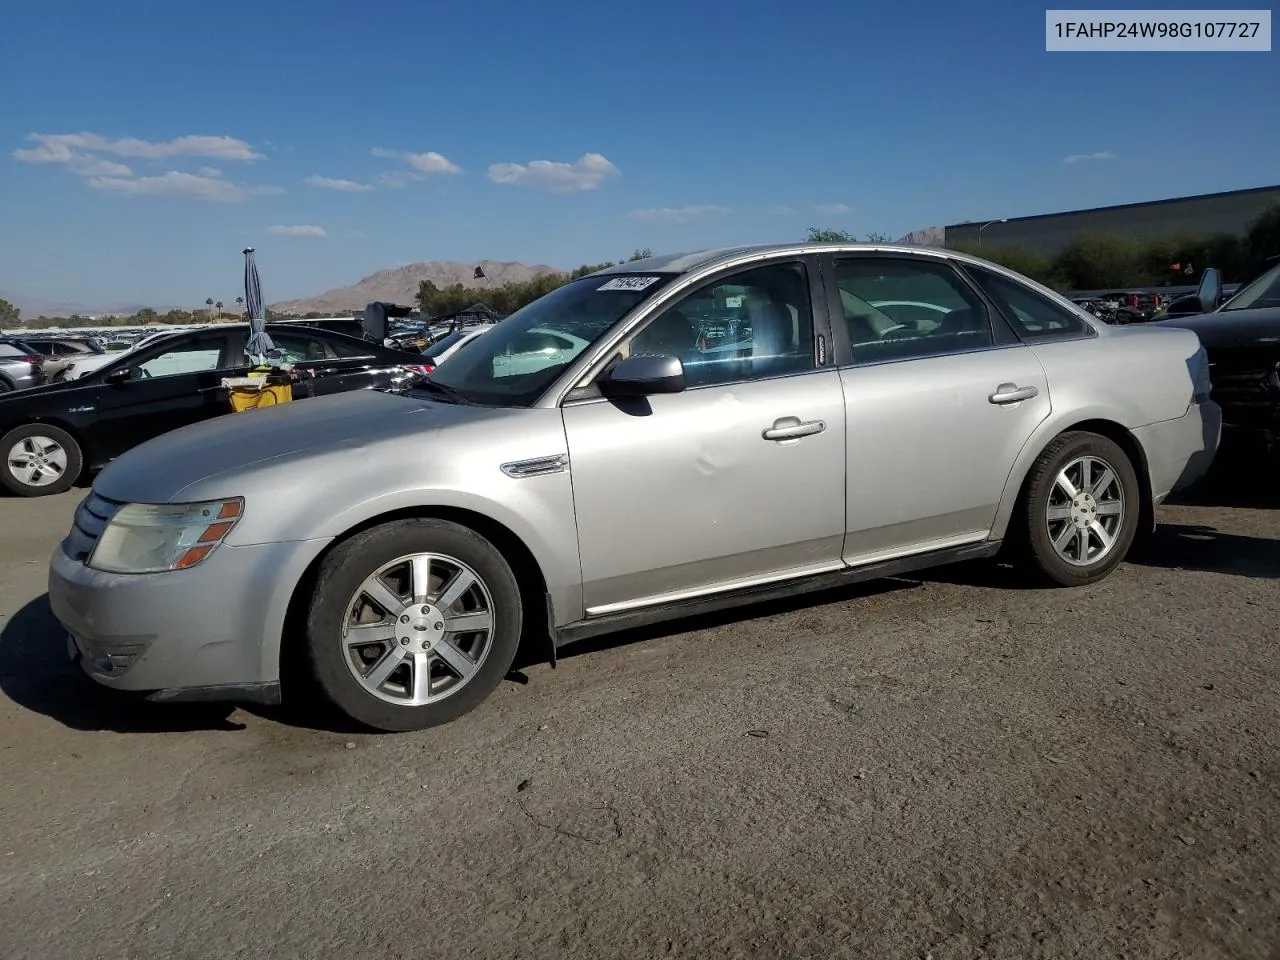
(251, 398)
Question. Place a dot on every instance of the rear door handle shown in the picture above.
(1012, 393)
(792, 428)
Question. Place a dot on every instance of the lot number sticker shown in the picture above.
(629, 283)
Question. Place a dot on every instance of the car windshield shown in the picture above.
(1263, 292)
(515, 362)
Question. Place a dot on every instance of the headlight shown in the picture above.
(150, 538)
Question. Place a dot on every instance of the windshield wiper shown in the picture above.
(450, 393)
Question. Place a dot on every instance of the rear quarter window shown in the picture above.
(1033, 317)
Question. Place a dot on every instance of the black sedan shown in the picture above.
(1242, 339)
(51, 435)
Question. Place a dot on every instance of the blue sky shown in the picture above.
(169, 135)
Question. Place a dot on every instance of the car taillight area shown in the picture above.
(422, 369)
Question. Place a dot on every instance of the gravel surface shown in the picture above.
(949, 767)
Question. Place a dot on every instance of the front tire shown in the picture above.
(413, 623)
(39, 460)
(1079, 512)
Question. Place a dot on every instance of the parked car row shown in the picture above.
(803, 416)
(52, 436)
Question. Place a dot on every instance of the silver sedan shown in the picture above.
(725, 427)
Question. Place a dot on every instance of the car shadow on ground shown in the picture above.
(36, 674)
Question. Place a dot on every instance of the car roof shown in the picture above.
(701, 260)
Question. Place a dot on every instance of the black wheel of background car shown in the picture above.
(39, 460)
(1079, 511)
(5, 385)
(413, 623)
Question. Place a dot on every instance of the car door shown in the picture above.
(939, 404)
(737, 480)
(173, 383)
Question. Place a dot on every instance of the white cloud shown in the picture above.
(780, 210)
(301, 230)
(431, 162)
(585, 173)
(215, 148)
(190, 186)
(81, 153)
(831, 209)
(336, 183)
(1100, 155)
(679, 214)
(424, 163)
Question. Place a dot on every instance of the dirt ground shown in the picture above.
(948, 767)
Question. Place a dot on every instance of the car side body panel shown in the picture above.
(1116, 379)
(929, 452)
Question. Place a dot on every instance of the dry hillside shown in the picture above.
(400, 284)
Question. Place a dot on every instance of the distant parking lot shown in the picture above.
(946, 767)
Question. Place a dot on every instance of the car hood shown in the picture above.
(351, 423)
(1232, 328)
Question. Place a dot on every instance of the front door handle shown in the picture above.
(1012, 393)
(792, 428)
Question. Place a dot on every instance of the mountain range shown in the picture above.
(394, 285)
(400, 284)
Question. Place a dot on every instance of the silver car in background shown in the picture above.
(728, 426)
(21, 366)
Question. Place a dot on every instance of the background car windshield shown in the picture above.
(1263, 292)
(515, 362)
(447, 341)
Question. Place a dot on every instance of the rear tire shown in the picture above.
(412, 624)
(39, 460)
(1079, 512)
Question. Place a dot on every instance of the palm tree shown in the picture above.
(219, 306)
(209, 303)
(240, 304)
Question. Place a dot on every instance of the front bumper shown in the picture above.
(1180, 452)
(210, 632)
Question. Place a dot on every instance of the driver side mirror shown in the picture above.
(122, 375)
(1209, 292)
(643, 376)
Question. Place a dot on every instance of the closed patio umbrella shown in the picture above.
(259, 343)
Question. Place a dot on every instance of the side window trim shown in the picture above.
(1003, 334)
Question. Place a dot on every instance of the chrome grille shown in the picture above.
(90, 520)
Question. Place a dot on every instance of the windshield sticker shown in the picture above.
(629, 283)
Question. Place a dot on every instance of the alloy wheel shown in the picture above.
(418, 629)
(1086, 511)
(37, 461)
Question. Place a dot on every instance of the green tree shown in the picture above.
(641, 254)
(823, 235)
(875, 237)
(9, 314)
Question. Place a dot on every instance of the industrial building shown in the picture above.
(1230, 212)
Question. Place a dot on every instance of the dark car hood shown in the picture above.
(161, 468)
(1232, 328)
